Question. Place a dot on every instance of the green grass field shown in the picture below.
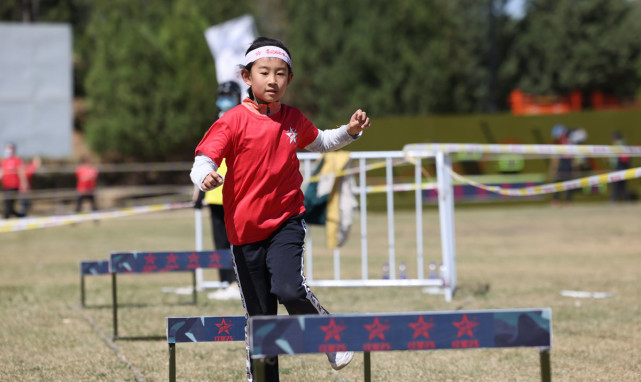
(507, 257)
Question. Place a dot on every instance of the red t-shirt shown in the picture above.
(263, 181)
(10, 177)
(86, 176)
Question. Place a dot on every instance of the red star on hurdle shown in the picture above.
(421, 328)
(150, 259)
(150, 263)
(193, 261)
(224, 326)
(376, 329)
(171, 259)
(214, 258)
(332, 330)
(171, 262)
(465, 327)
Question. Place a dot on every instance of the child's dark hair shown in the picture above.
(259, 43)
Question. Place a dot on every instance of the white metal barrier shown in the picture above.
(448, 280)
(362, 190)
(414, 154)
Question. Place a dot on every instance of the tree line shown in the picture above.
(147, 78)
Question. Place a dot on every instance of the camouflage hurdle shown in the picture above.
(278, 335)
(131, 263)
(91, 268)
(201, 329)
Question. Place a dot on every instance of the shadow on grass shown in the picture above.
(136, 305)
(473, 290)
(139, 338)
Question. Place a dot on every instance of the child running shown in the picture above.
(262, 196)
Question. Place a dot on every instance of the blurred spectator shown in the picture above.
(561, 167)
(214, 200)
(470, 162)
(621, 162)
(228, 97)
(581, 165)
(510, 163)
(29, 172)
(577, 136)
(13, 180)
(86, 176)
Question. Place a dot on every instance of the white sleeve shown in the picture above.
(203, 165)
(330, 140)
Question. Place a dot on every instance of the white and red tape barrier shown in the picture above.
(59, 220)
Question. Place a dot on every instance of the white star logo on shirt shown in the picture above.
(292, 135)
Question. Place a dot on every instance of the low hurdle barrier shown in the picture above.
(91, 268)
(279, 335)
(159, 262)
(201, 329)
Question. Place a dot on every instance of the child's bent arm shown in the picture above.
(335, 139)
(329, 140)
(203, 166)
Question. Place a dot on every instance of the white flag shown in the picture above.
(228, 42)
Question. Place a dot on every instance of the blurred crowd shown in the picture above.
(17, 174)
(569, 167)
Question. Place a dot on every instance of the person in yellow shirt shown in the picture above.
(214, 200)
(228, 97)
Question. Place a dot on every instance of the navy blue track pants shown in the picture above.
(271, 272)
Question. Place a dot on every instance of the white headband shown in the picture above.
(267, 51)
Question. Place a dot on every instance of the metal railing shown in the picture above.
(385, 160)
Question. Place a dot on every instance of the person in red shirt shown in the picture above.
(262, 196)
(29, 171)
(13, 180)
(86, 176)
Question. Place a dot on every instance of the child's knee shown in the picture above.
(289, 293)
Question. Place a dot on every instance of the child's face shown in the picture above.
(268, 79)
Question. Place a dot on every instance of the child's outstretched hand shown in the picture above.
(211, 181)
(358, 122)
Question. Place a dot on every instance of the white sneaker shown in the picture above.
(340, 359)
(232, 292)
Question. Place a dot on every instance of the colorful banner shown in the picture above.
(271, 336)
(205, 329)
(152, 262)
(429, 149)
(98, 267)
(589, 181)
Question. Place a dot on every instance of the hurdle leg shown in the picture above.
(114, 304)
(546, 371)
(172, 362)
(82, 291)
(367, 366)
(193, 285)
